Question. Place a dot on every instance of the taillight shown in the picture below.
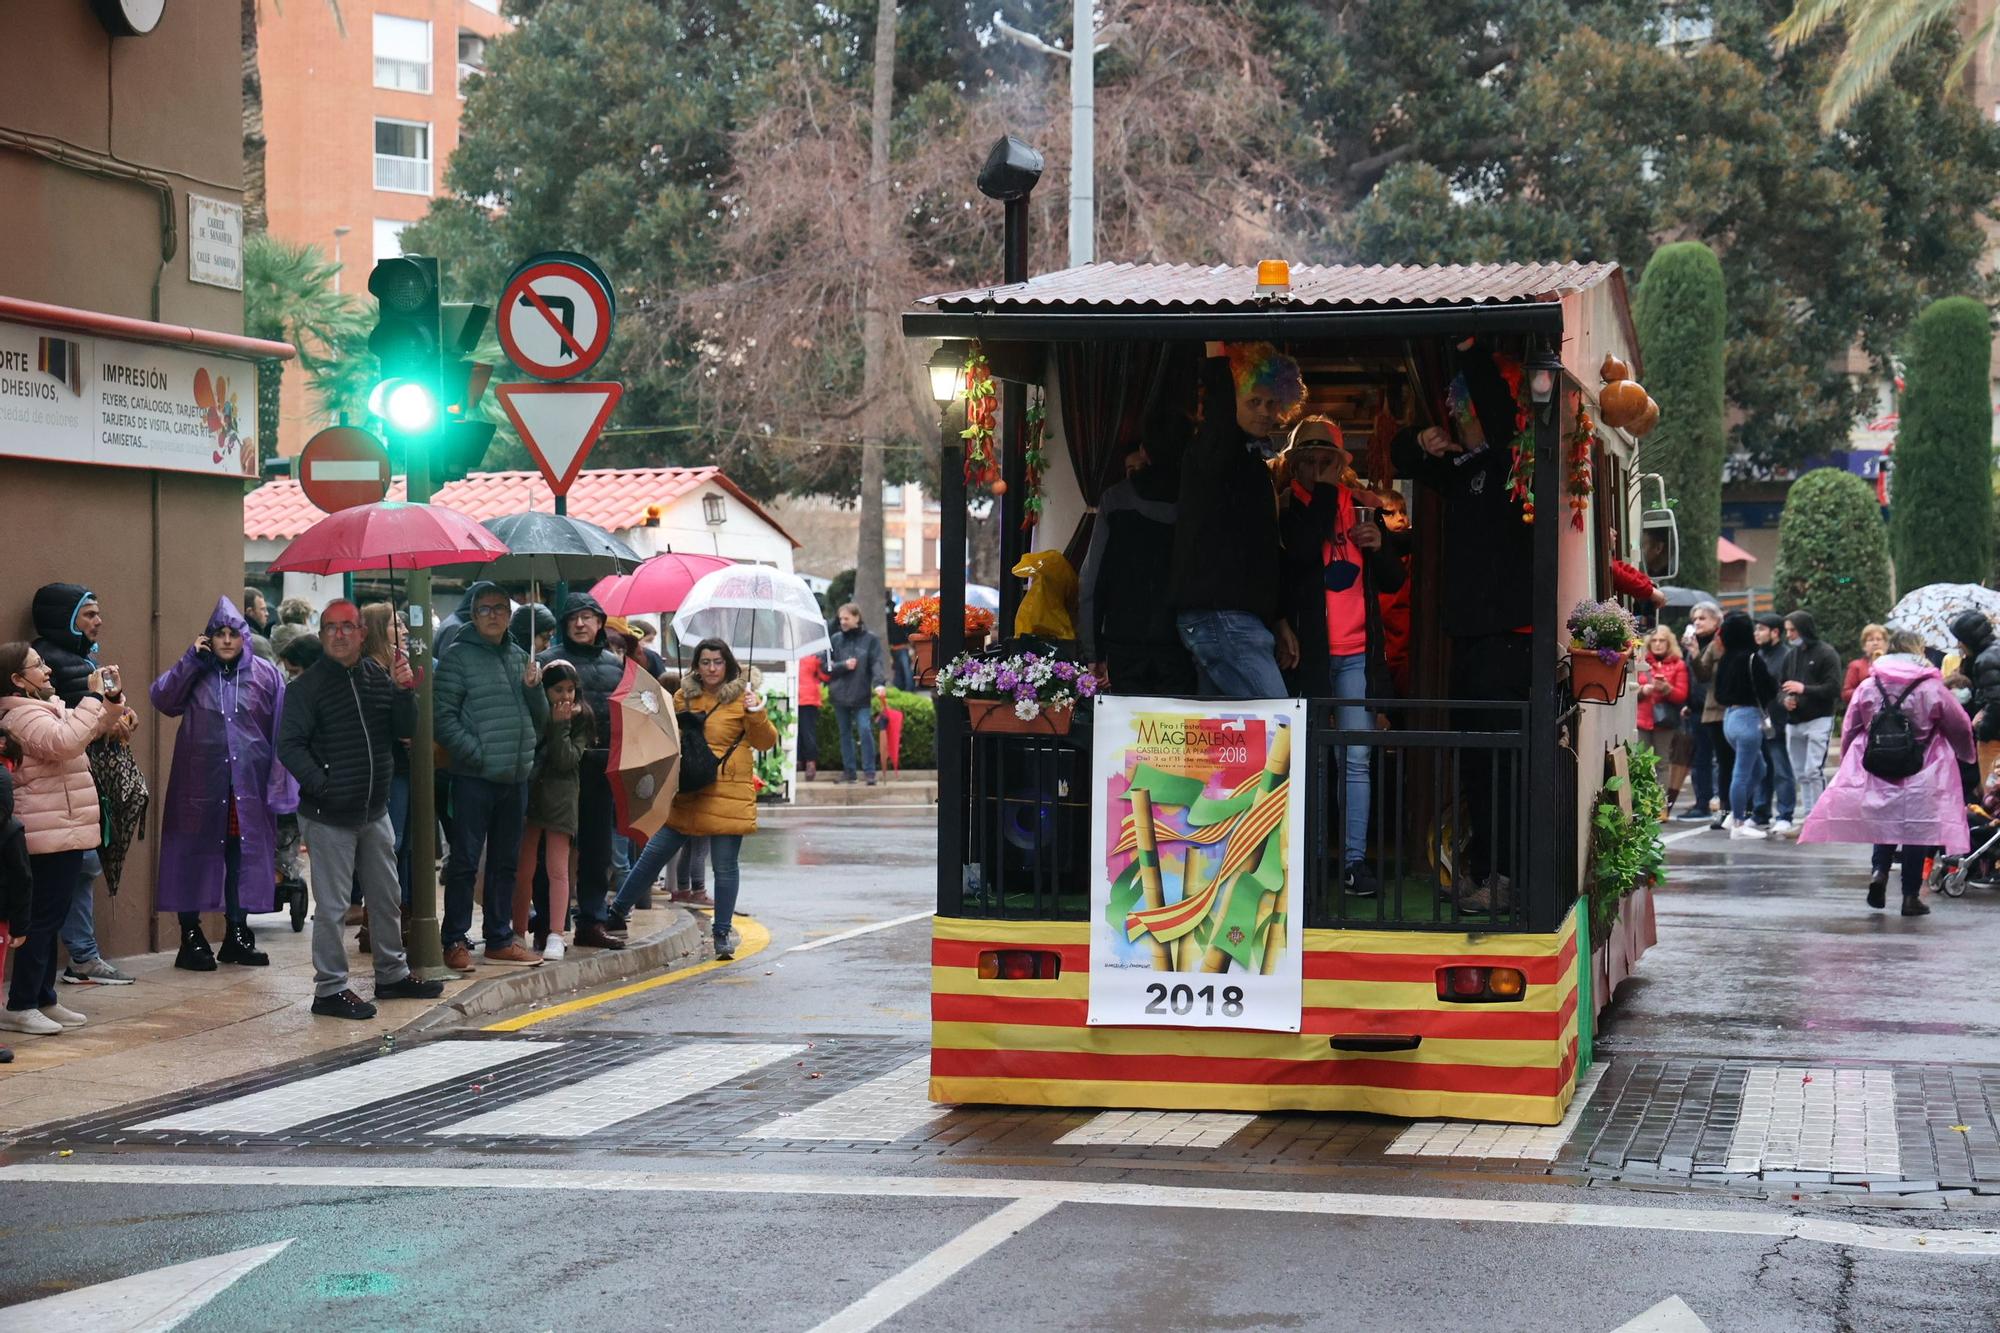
(1019, 965)
(1480, 985)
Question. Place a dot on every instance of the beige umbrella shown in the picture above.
(645, 760)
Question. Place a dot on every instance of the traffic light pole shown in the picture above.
(422, 930)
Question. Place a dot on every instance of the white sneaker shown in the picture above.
(552, 952)
(1782, 828)
(69, 1018)
(30, 1022)
(1745, 829)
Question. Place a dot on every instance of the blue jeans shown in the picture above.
(485, 816)
(724, 852)
(1777, 781)
(79, 928)
(1235, 656)
(854, 720)
(1743, 728)
(1350, 681)
(905, 678)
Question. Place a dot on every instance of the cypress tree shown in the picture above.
(1941, 492)
(1681, 313)
(1833, 555)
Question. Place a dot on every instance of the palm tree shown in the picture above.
(1878, 31)
(288, 295)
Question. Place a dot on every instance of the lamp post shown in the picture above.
(1010, 173)
(947, 369)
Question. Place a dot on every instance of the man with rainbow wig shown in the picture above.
(1225, 586)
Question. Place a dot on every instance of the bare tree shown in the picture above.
(877, 365)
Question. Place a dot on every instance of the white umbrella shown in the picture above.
(1929, 610)
(978, 594)
(753, 607)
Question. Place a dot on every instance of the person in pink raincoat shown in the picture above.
(1922, 813)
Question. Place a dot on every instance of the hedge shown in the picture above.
(919, 732)
(1833, 556)
(1940, 499)
(1681, 310)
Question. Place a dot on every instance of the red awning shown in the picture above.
(72, 320)
(1728, 552)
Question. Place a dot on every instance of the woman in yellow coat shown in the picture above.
(727, 698)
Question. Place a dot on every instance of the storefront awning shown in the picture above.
(72, 320)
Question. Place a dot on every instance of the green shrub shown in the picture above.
(919, 731)
(1626, 851)
(1681, 310)
(1833, 556)
(1940, 500)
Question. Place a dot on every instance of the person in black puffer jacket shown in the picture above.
(1744, 688)
(582, 644)
(343, 718)
(1810, 690)
(1979, 650)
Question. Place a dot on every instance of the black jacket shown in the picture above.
(16, 878)
(1982, 668)
(1226, 537)
(1489, 553)
(1131, 542)
(1306, 529)
(853, 689)
(342, 728)
(1815, 665)
(70, 656)
(1774, 657)
(598, 669)
(1741, 678)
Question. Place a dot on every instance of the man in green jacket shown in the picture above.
(490, 712)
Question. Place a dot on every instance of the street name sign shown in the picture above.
(343, 466)
(555, 316)
(559, 423)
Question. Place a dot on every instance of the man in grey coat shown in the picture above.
(490, 711)
(857, 673)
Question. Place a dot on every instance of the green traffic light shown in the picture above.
(411, 407)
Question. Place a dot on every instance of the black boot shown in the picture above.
(1878, 890)
(1914, 906)
(195, 955)
(239, 946)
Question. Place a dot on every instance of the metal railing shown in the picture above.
(1025, 830)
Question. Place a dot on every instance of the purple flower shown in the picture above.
(1065, 671)
(1024, 691)
(1006, 679)
(1086, 685)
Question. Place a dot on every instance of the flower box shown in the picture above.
(1592, 680)
(923, 659)
(996, 717)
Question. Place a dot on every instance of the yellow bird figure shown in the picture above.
(1046, 609)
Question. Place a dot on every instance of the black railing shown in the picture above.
(1025, 837)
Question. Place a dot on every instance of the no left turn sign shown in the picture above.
(555, 316)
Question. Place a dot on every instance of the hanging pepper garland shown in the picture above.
(1581, 438)
(1520, 476)
(1035, 460)
(982, 405)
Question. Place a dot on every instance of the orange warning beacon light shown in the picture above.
(1274, 278)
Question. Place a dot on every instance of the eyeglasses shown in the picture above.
(499, 609)
(339, 627)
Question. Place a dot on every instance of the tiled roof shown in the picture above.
(613, 498)
(1189, 286)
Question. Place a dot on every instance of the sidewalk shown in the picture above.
(174, 1030)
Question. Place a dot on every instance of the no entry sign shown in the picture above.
(555, 316)
(343, 466)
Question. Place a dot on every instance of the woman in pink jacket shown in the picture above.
(56, 802)
(1921, 813)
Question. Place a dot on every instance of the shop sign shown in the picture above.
(215, 242)
(1197, 861)
(71, 398)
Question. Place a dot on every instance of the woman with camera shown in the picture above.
(219, 832)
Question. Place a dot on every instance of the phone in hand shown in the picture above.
(108, 678)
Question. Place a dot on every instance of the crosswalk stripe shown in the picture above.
(630, 1090)
(347, 1089)
(879, 1111)
(1159, 1129)
(1489, 1141)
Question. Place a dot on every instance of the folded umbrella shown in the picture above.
(391, 535)
(645, 758)
(555, 548)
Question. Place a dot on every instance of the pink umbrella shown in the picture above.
(658, 586)
(389, 535)
(610, 592)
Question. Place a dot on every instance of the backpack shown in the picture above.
(700, 766)
(1893, 751)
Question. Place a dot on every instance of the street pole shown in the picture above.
(1013, 431)
(1083, 137)
(950, 643)
(421, 930)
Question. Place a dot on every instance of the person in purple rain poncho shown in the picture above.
(218, 836)
(1920, 814)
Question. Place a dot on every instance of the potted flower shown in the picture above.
(920, 614)
(1601, 638)
(1031, 689)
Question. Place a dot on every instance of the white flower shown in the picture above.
(1027, 710)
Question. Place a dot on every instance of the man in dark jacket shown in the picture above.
(599, 670)
(1979, 652)
(68, 623)
(1810, 690)
(489, 710)
(344, 716)
(856, 667)
(1125, 624)
(1778, 785)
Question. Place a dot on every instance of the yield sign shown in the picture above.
(559, 423)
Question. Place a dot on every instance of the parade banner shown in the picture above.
(1197, 858)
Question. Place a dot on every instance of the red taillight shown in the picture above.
(1020, 965)
(1461, 985)
(1457, 983)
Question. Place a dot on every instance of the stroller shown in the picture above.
(1951, 875)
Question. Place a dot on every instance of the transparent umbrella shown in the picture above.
(753, 608)
(1929, 610)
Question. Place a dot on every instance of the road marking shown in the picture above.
(755, 940)
(1673, 838)
(1669, 1316)
(1950, 1242)
(938, 1267)
(881, 1110)
(861, 930)
(1159, 1129)
(347, 1089)
(144, 1302)
(630, 1090)
(1796, 1118)
(1464, 1138)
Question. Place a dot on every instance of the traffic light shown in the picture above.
(464, 435)
(405, 343)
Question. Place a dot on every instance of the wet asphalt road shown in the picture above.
(1763, 951)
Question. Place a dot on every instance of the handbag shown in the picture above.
(122, 797)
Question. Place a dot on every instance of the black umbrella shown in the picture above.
(555, 548)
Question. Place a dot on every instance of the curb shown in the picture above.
(684, 940)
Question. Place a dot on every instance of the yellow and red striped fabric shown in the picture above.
(1026, 1042)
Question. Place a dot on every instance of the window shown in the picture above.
(403, 156)
(892, 553)
(388, 238)
(471, 57)
(402, 54)
(712, 511)
(892, 497)
(490, 6)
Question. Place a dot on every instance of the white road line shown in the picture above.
(861, 930)
(1947, 1242)
(1159, 1129)
(1467, 1138)
(629, 1090)
(348, 1089)
(1673, 838)
(879, 1111)
(938, 1267)
(144, 1302)
(1671, 1315)
(1796, 1118)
